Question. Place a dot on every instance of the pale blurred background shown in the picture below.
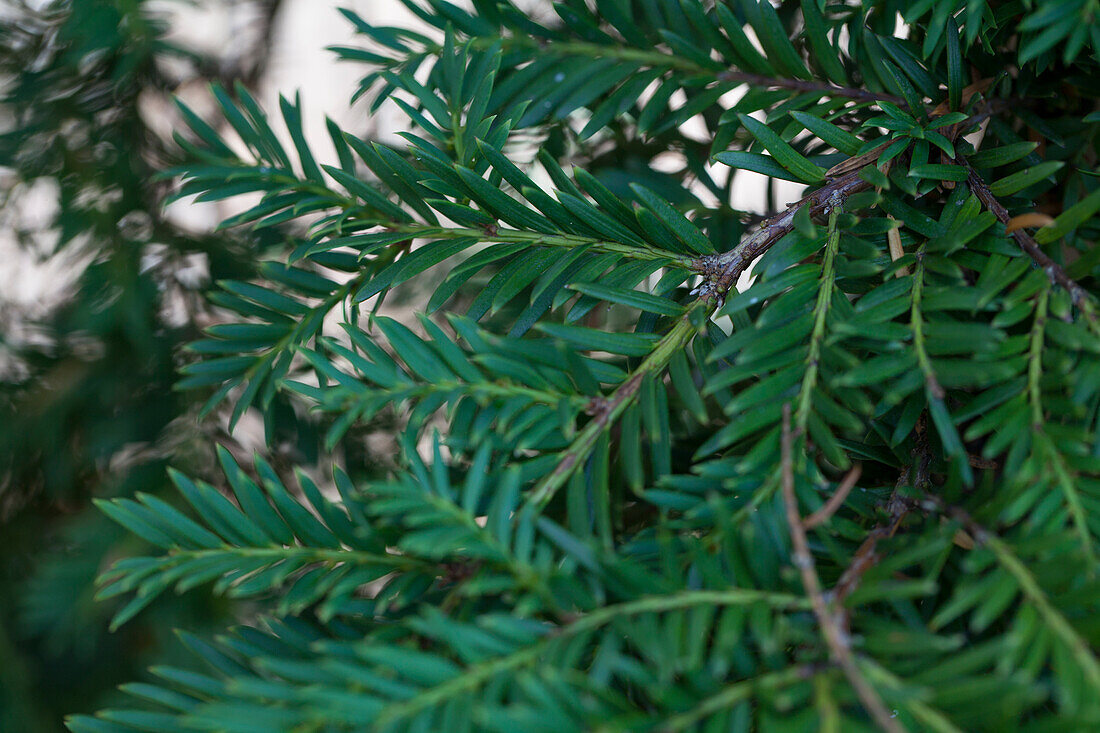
(276, 47)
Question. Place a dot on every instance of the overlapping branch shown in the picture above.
(1079, 648)
(611, 408)
(827, 619)
(482, 673)
(1027, 243)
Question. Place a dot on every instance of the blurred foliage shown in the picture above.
(86, 403)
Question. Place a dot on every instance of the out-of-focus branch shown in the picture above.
(836, 500)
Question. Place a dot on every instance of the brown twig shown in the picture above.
(722, 270)
(836, 500)
(1027, 243)
(798, 85)
(866, 555)
(865, 558)
(835, 639)
(897, 507)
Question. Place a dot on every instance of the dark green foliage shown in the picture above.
(597, 520)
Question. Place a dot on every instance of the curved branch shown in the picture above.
(1062, 472)
(1079, 648)
(821, 312)
(1027, 243)
(798, 85)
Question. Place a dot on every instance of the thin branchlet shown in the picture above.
(1029, 585)
(827, 618)
(821, 312)
(1031, 248)
(803, 86)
